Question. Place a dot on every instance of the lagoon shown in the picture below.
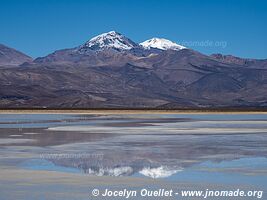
(192, 150)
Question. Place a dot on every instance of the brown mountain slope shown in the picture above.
(177, 79)
(111, 71)
(12, 57)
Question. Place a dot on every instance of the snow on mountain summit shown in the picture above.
(116, 41)
(109, 40)
(161, 43)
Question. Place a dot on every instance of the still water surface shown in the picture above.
(210, 148)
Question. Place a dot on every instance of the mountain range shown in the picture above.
(112, 71)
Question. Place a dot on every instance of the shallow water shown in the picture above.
(196, 148)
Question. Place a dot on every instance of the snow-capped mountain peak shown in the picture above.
(109, 40)
(161, 43)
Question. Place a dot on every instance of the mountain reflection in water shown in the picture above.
(150, 145)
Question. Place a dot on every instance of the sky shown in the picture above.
(39, 27)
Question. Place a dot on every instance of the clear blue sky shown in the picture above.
(39, 27)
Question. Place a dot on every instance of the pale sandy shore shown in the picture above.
(86, 111)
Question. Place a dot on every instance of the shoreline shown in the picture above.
(128, 111)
